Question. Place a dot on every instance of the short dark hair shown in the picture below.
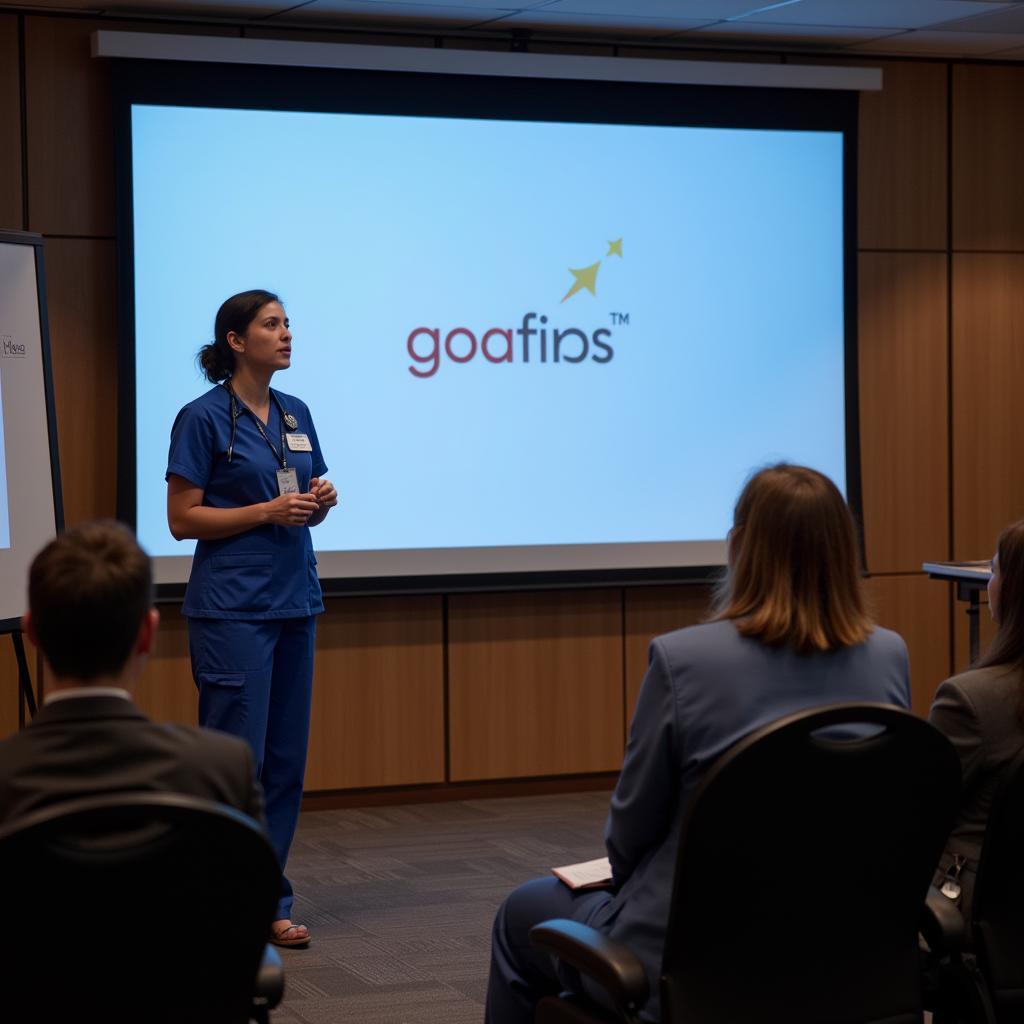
(794, 573)
(88, 591)
(217, 360)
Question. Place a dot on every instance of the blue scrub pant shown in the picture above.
(520, 975)
(255, 680)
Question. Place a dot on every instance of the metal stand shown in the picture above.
(969, 593)
(26, 697)
(971, 578)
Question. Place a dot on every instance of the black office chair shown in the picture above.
(998, 910)
(802, 869)
(992, 988)
(138, 908)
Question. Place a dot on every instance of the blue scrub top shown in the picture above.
(268, 572)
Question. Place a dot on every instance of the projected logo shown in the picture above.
(531, 341)
(587, 276)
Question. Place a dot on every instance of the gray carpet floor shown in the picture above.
(400, 901)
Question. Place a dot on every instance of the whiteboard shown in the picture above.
(30, 498)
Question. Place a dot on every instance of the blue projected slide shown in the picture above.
(5, 519)
(509, 333)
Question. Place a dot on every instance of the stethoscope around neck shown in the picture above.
(237, 408)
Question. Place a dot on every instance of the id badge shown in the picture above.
(287, 481)
(298, 443)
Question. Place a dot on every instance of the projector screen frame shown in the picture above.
(273, 88)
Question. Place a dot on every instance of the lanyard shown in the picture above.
(237, 408)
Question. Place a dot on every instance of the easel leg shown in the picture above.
(27, 697)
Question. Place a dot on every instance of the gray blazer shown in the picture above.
(96, 745)
(707, 687)
(978, 712)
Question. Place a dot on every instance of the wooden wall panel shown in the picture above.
(988, 371)
(903, 409)
(651, 611)
(917, 608)
(378, 706)
(535, 683)
(10, 126)
(902, 158)
(9, 684)
(70, 123)
(70, 135)
(166, 691)
(83, 336)
(378, 694)
(988, 157)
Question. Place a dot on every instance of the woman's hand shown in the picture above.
(291, 509)
(323, 490)
(326, 498)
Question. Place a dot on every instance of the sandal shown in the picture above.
(282, 936)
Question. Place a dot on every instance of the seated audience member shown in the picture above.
(982, 713)
(91, 615)
(789, 631)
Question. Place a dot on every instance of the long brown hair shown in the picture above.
(793, 576)
(1007, 647)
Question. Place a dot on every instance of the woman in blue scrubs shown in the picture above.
(245, 479)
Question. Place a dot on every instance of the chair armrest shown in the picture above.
(269, 987)
(610, 964)
(942, 924)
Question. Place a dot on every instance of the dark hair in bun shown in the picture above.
(216, 360)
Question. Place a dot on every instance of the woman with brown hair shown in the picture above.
(982, 713)
(789, 631)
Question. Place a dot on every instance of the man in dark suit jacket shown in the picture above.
(91, 615)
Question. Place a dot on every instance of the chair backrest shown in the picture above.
(137, 907)
(998, 907)
(802, 870)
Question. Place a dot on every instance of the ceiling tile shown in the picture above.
(420, 15)
(873, 13)
(812, 35)
(709, 10)
(1010, 19)
(969, 28)
(548, 18)
(945, 44)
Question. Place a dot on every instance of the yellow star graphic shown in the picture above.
(615, 248)
(585, 278)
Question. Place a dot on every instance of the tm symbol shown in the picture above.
(620, 319)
